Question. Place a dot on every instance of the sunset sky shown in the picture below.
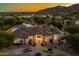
(28, 7)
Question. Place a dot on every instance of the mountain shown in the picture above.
(57, 8)
(71, 8)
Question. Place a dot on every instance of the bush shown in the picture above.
(47, 50)
(73, 40)
(72, 28)
(6, 39)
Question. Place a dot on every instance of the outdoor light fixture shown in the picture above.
(55, 37)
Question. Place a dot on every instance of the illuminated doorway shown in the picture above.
(38, 39)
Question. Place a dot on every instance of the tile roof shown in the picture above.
(23, 31)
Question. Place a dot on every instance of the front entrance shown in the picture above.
(38, 39)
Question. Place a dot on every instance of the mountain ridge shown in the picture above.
(74, 7)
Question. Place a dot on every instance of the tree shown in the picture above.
(73, 40)
(6, 39)
(6, 23)
(57, 21)
(72, 28)
(11, 21)
(2, 21)
(38, 20)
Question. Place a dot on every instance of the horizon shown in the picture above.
(29, 7)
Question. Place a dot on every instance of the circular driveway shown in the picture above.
(38, 49)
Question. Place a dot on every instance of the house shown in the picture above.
(77, 22)
(40, 33)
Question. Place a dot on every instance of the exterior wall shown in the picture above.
(47, 38)
(30, 37)
(56, 38)
(42, 38)
(36, 38)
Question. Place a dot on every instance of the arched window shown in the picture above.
(38, 36)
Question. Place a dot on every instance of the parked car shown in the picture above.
(27, 50)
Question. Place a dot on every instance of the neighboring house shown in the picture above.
(77, 22)
(27, 25)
